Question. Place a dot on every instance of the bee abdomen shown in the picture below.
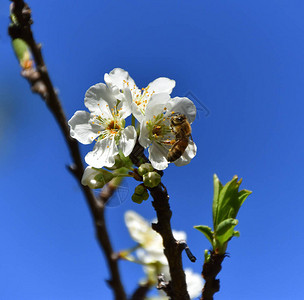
(177, 150)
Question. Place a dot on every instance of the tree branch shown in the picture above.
(141, 292)
(172, 249)
(40, 82)
(209, 273)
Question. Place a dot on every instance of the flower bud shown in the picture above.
(145, 168)
(137, 198)
(96, 178)
(151, 179)
(140, 194)
(140, 189)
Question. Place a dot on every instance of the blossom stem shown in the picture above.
(133, 121)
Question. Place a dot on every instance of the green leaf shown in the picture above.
(236, 233)
(227, 195)
(225, 226)
(237, 202)
(207, 231)
(225, 231)
(217, 189)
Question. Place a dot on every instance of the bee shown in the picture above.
(181, 127)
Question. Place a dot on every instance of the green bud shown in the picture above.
(140, 189)
(103, 177)
(137, 198)
(151, 179)
(140, 194)
(207, 256)
(22, 52)
(145, 168)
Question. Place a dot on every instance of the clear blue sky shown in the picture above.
(243, 60)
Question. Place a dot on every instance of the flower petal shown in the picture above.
(144, 135)
(81, 129)
(157, 156)
(137, 226)
(120, 78)
(103, 153)
(137, 113)
(157, 105)
(99, 100)
(179, 235)
(88, 177)
(127, 140)
(162, 85)
(189, 153)
(124, 107)
(194, 283)
(184, 106)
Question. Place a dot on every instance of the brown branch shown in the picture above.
(141, 292)
(209, 273)
(40, 82)
(172, 249)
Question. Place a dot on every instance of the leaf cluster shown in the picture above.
(227, 201)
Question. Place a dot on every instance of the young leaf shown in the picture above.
(225, 226)
(207, 231)
(237, 202)
(227, 195)
(224, 233)
(217, 189)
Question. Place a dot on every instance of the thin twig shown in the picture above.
(41, 83)
(172, 249)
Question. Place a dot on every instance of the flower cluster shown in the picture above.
(109, 104)
(150, 253)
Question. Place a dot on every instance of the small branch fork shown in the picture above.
(41, 84)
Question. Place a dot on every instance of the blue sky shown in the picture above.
(241, 61)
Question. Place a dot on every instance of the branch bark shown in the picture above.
(172, 249)
(40, 82)
(209, 273)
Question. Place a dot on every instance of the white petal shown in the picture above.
(144, 135)
(179, 235)
(137, 113)
(88, 178)
(162, 85)
(194, 283)
(184, 106)
(189, 153)
(99, 100)
(137, 226)
(103, 153)
(157, 104)
(158, 156)
(119, 77)
(124, 107)
(81, 129)
(127, 140)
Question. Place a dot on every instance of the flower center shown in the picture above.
(159, 129)
(112, 126)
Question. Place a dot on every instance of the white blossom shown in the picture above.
(105, 123)
(119, 80)
(151, 253)
(156, 133)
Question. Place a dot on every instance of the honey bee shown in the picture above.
(181, 127)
